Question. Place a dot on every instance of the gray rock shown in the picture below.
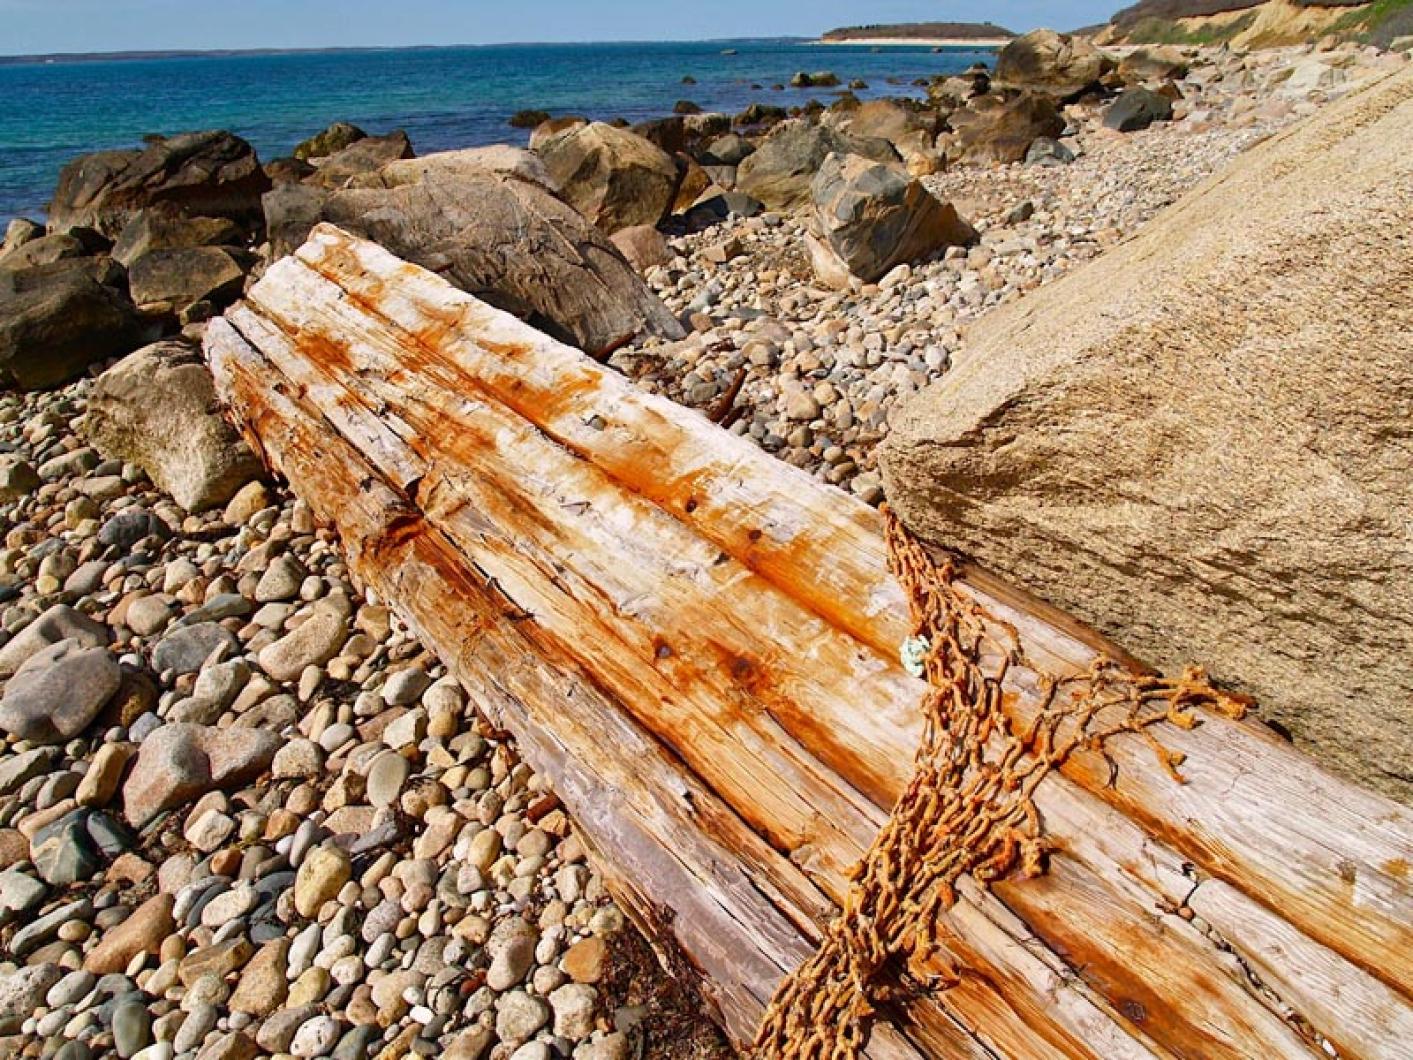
(60, 622)
(179, 763)
(514, 244)
(17, 478)
(185, 650)
(19, 893)
(204, 174)
(56, 320)
(519, 1016)
(22, 992)
(40, 930)
(1137, 109)
(68, 856)
(780, 171)
(132, 1028)
(613, 177)
(157, 409)
(124, 530)
(869, 217)
(18, 770)
(57, 692)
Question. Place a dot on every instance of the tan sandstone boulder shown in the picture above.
(1202, 442)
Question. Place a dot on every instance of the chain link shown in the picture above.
(969, 808)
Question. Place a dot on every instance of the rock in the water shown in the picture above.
(22, 994)
(1198, 442)
(162, 228)
(515, 245)
(168, 281)
(1060, 65)
(869, 217)
(613, 177)
(157, 409)
(204, 174)
(57, 692)
(780, 171)
(60, 622)
(995, 129)
(1137, 109)
(56, 320)
(179, 763)
(330, 141)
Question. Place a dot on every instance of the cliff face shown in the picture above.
(1259, 23)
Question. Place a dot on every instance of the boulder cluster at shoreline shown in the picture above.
(243, 811)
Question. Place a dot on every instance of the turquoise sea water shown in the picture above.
(445, 98)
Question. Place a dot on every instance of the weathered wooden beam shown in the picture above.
(583, 556)
(730, 620)
(1332, 869)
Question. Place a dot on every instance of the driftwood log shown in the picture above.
(698, 645)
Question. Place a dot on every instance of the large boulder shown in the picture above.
(780, 171)
(514, 244)
(997, 128)
(158, 409)
(45, 250)
(613, 177)
(56, 320)
(291, 212)
(910, 129)
(1153, 64)
(206, 174)
(1137, 109)
(168, 281)
(1200, 442)
(498, 158)
(869, 217)
(162, 228)
(367, 155)
(1060, 65)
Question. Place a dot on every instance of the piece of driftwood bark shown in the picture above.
(697, 644)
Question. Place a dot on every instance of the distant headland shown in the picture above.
(920, 33)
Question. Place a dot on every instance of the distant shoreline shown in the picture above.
(929, 42)
(47, 58)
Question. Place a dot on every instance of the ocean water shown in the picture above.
(445, 98)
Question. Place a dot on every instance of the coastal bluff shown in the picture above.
(1199, 443)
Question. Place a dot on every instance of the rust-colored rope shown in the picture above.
(968, 808)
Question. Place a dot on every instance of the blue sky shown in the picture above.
(30, 26)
